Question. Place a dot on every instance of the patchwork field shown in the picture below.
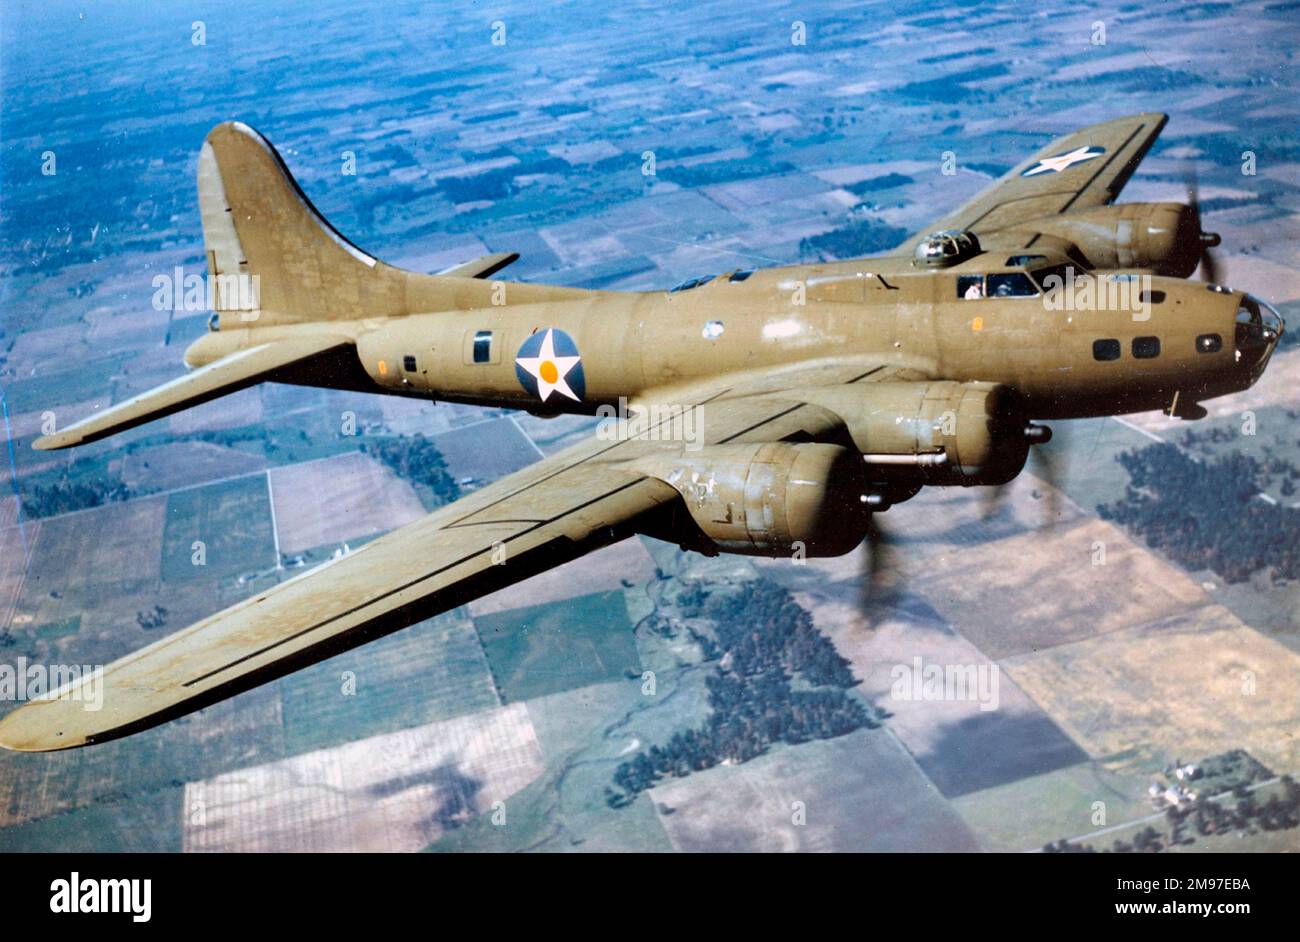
(319, 503)
(395, 792)
(602, 571)
(233, 521)
(1193, 684)
(434, 670)
(860, 792)
(978, 591)
(184, 464)
(484, 451)
(1026, 814)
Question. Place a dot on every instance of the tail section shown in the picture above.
(274, 259)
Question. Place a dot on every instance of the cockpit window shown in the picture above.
(741, 275)
(214, 322)
(970, 287)
(1057, 276)
(690, 283)
(1009, 284)
(1020, 261)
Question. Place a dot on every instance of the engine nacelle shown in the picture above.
(770, 499)
(939, 433)
(1164, 237)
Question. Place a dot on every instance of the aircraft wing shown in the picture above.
(219, 378)
(1079, 171)
(569, 504)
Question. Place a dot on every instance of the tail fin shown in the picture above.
(274, 259)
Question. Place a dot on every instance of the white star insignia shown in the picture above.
(550, 370)
(1063, 161)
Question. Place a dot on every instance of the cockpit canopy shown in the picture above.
(946, 247)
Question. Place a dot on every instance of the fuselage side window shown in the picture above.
(1010, 284)
(1105, 350)
(1146, 348)
(483, 346)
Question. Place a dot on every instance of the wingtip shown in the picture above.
(54, 442)
(26, 730)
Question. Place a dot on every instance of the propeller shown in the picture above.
(1209, 267)
(1048, 466)
(879, 580)
(874, 584)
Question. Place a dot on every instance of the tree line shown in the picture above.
(763, 641)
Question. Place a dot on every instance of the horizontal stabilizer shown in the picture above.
(483, 267)
(219, 378)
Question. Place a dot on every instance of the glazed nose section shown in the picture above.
(1259, 327)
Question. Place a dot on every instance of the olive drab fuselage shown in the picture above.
(640, 345)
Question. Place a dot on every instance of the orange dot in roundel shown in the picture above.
(548, 371)
(977, 324)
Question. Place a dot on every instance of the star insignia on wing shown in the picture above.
(551, 371)
(1064, 161)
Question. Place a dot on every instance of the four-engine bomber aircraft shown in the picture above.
(826, 392)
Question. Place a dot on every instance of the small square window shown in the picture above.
(408, 363)
(1209, 343)
(1146, 348)
(970, 286)
(1105, 350)
(483, 346)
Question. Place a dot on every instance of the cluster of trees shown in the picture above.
(863, 236)
(418, 460)
(1206, 817)
(763, 640)
(66, 495)
(1207, 515)
(152, 618)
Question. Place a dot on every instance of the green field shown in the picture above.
(1027, 814)
(148, 823)
(233, 520)
(431, 671)
(549, 648)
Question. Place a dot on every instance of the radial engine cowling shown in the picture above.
(770, 499)
(1164, 237)
(937, 433)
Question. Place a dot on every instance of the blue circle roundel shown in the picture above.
(548, 364)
